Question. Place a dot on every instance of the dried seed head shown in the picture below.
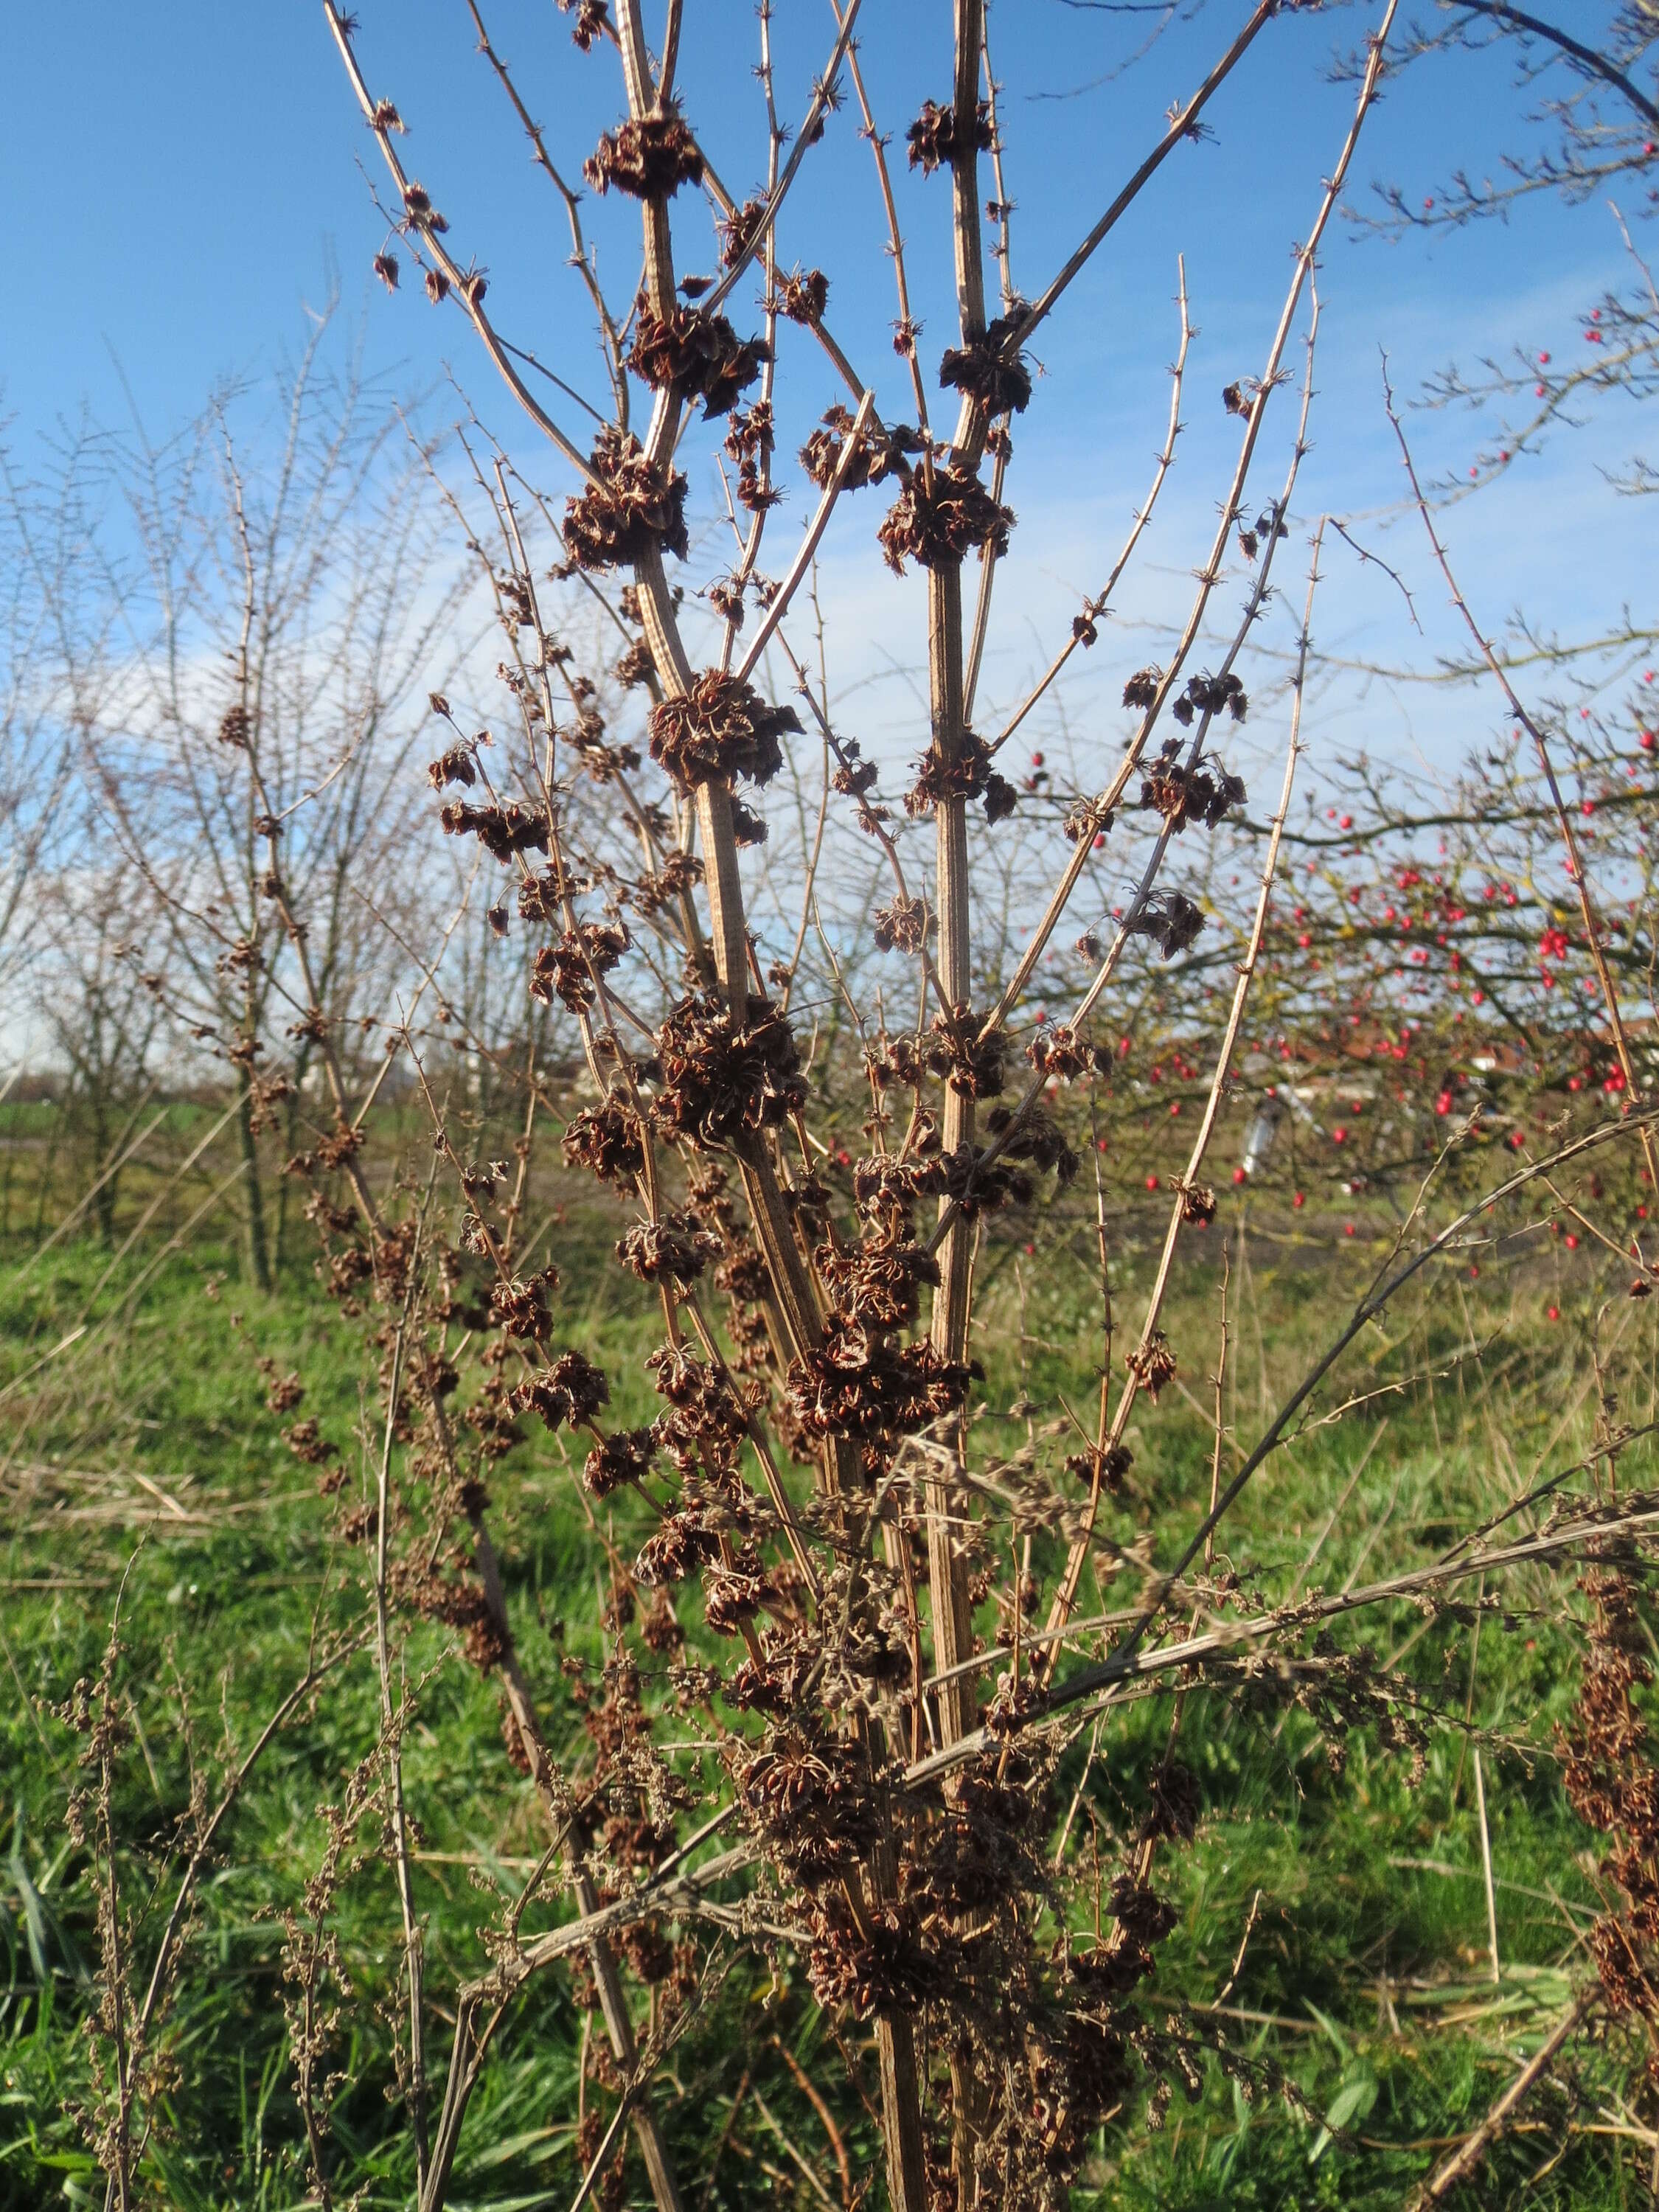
(932, 138)
(938, 527)
(607, 1140)
(675, 1248)
(502, 831)
(803, 297)
(880, 452)
(719, 730)
(968, 775)
(739, 231)
(989, 371)
(1153, 1363)
(634, 505)
(453, 766)
(1171, 920)
(570, 1391)
(718, 1083)
(902, 926)
(697, 355)
(1059, 1051)
(649, 158)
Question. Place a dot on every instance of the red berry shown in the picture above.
(1544, 358)
(1571, 1239)
(1238, 1175)
(1347, 1229)
(1299, 1199)
(1552, 1313)
(1100, 841)
(1151, 1182)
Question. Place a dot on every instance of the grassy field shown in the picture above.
(141, 1469)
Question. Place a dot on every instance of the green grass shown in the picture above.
(140, 1459)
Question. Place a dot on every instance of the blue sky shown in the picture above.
(183, 184)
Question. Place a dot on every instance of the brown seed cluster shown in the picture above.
(453, 766)
(570, 1391)
(749, 443)
(1208, 694)
(1198, 1204)
(968, 775)
(803, 296)
(858, 1383)
(591, 24)
(718, 731)
(1171, 920)
(718, 1083)
(739, 230)
(878, 1282)
(1153, 1363)
(675, 1248)
(811, 1795)
(955, 1053)
(880, 452)
(1190, 792)
(1059, 1051)
(901, 926)
(632, 506)
(698, 357)
(567, 970)
(649, 157)
(883, 1186)
(932, 138)
(989, 371)
(608, 1141)
(1037, 1137)
(503, 831)
(519, 1305)
(939, 525)
(625, 1456)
